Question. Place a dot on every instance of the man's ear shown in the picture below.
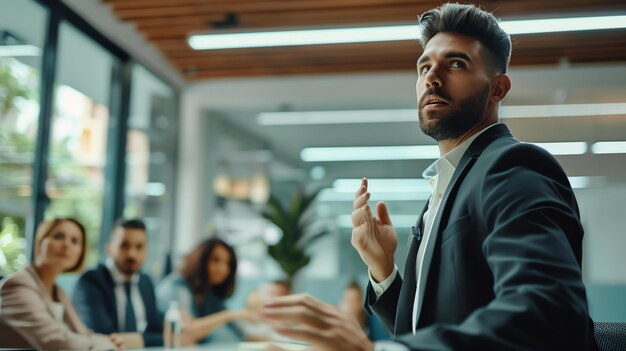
(501, 87)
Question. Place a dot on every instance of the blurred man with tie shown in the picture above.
(116, 296)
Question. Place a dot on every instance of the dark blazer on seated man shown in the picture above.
(95, 300)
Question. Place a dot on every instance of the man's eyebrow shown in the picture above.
(448, 55)
(458, 54)
(423, 59)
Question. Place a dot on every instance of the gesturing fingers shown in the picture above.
(302, 309)
(360, 200)
(362, 215)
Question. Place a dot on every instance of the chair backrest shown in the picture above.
(610, 336)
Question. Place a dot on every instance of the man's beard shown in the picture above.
(122, 267)
(457, 121)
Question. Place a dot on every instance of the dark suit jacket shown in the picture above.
(94, 298)
(502, 269)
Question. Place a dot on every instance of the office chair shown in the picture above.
(610, 336)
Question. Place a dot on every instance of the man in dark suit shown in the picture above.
(495, 257)
(115, 296)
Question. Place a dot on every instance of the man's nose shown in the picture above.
(432, 77)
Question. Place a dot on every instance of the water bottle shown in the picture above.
(172, 327)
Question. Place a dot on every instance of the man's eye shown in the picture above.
(457, 64)
(424, 69)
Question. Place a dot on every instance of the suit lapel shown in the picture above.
(42, 289)
(465, 165)
(109, 289)
(404, 309)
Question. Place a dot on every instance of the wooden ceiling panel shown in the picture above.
(167, 24)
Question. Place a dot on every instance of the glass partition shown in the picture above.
(21, 48)
(150, 163)
(79, 133)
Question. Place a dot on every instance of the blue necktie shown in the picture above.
(130, 323)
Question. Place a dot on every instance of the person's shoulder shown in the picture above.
(96, 272)
(145, 279)
(22, 280)
(509, 151)
(95, 277)
(21, 277)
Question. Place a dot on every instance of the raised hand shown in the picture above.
(374, 238)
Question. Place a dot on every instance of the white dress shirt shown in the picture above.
(120, 298)
(438, 176)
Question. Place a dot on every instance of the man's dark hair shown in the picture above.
(134, 223)
(472, 21)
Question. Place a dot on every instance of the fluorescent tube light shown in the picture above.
(302, 37)
(563, 110)
(336, 117)
(398, 221)
(329, 195)
(385, 33)
(563, 24)
(19, 50)
(413, 152)
(581, 182)
(410, 115)
(382, 185)
(370, 153)
(609, 147)
(565, 148)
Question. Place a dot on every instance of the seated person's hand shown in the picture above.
(189, 333)
(119, 344)
(127, 340)
(248, 315)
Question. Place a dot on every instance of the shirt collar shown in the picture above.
(118, 277)
(452, 158)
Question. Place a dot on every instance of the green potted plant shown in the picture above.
(295, 222)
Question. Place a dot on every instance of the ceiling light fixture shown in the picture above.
(398, 221)
(411, 152)
(344, 189)
(370, 153)
(609, 147)
(410, 115)
(386, 185)
(564, 148)
(329, 195)
(234, 40)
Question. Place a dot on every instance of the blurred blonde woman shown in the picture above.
(35, 311)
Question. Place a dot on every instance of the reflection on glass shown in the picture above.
(79, 133)
(19, 113)
(150, 163)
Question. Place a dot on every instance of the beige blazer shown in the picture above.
(27, 318)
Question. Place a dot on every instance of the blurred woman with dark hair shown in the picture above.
(201, 286)
(34, 310)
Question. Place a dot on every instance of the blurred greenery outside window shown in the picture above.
(19, 112)
(78, 139)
